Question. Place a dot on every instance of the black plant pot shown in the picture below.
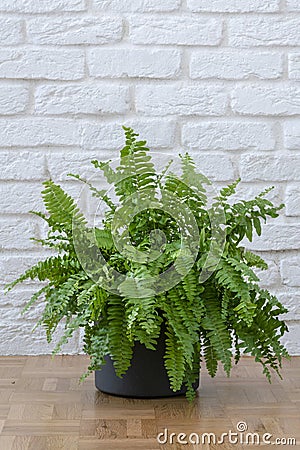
(145, 378)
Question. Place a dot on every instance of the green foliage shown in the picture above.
(212, 320)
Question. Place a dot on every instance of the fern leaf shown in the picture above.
(211, 359)
(174, 360)
(117, 333)
(216, 329)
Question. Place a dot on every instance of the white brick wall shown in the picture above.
(264, 31)
(228, 135)
(176, 30)
(137, 5)
(266, 100)
(230, 65)
(124, 62)
(88, 30)
(293, 5)
(219, 78)
(258, 167)
(292, 134)
(290, 271)
(292, 200)
(45, 6)
(14, 99)
(91, 98)
(41, 63)
(180, 99)
(11, 31)
(294, 66)
(233, 6)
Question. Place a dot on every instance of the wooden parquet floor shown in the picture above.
(42, 407)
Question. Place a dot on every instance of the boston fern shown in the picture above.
(211, 312)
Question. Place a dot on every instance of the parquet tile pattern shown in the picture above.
(42, 407)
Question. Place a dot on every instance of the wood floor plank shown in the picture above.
(44, 407)
(118, 444)
(40, 428)
(6, 442)
(116, 412)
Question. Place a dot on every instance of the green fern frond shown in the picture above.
(174, 360)
(192, 374)
(190, 285)
(104, 239)
(253, 260)
(228, 191)
(232, 280)
(211, 358)
(96, 344)
(61, 207)
(216, 329)
(117, 333)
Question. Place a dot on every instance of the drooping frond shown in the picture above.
(174, 360)
(216, 329)
(117, 334)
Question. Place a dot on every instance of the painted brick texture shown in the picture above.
(217, 78)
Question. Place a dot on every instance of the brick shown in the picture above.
(15, 233)
(37, 63)
(38, 131)
(10, 31)
(258, 167)
(110, 136)
(270, 277)
(227, 135)
(289, 268)
(293, 5)
(292, 201)
(20, 198)
(294, 66)
(18, 338)
(13, 162)
(91, 135)
(14, 310)
(291, 301)
(123, 62)
(181, 99)
(266, 31)
(216, 167)
(83, 98)
(137, 5)
(13, 265)
(33, 6)
(17, 297)
(277, 238)
(292, 134)
(60, 164)
(14, 99)
(233, 65)
(69, 30)
(263, 100)
(247, 191)
(175, 30)
(232, 6)
(292, 339)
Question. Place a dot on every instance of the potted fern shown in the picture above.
(163, 284)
